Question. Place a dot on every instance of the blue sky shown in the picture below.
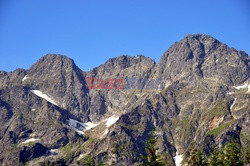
(92, 31)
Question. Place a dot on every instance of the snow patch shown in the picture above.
(44, 96)
(112, 120)
(53, 151)
(30, 140)
(80, 127)
(25, 77)
(77, 126)
(89, 125)
(106, 132)
(81, 156)
(246, 85)
(178, 159)
(230, 93)
(231, 107)
(241, 86)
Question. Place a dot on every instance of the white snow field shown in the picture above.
(30, 140)
(25, 77)
(44, 96)
(112, 120)
(231, 107)
(246, 85)
(178, 159)
(80, 127)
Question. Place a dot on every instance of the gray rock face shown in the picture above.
(58, 76)
(204, 102)
(105, 101)
(203, 57)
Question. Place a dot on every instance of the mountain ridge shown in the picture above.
(185, 37)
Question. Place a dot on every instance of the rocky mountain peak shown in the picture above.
(125, 61)
(202, 56)
(200, 37)
(53, 62)
(119, 66)
(58, 77)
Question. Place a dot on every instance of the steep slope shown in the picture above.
(201, 70)
(201, 56)
(114, 100)
(59, 77)
(48, 115)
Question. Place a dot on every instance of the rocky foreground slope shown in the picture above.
(49, 116)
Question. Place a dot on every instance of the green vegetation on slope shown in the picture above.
(219, 129)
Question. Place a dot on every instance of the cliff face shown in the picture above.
(199, 57)
(47, 113)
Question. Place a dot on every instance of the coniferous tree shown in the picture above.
(196, 158)
(232, 154)
(151, 159)
(215, 158)
(246, 154)
(89, 161)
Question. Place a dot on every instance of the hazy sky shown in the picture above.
(92, 31)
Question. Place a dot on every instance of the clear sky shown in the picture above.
(92, 31)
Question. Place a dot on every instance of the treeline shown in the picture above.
(232, 154)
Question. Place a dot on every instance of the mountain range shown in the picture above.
(48, 115)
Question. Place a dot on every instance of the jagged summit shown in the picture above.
(201, 37)
(123, 62)
(192, 46)
(202, 56)
(53, 62)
